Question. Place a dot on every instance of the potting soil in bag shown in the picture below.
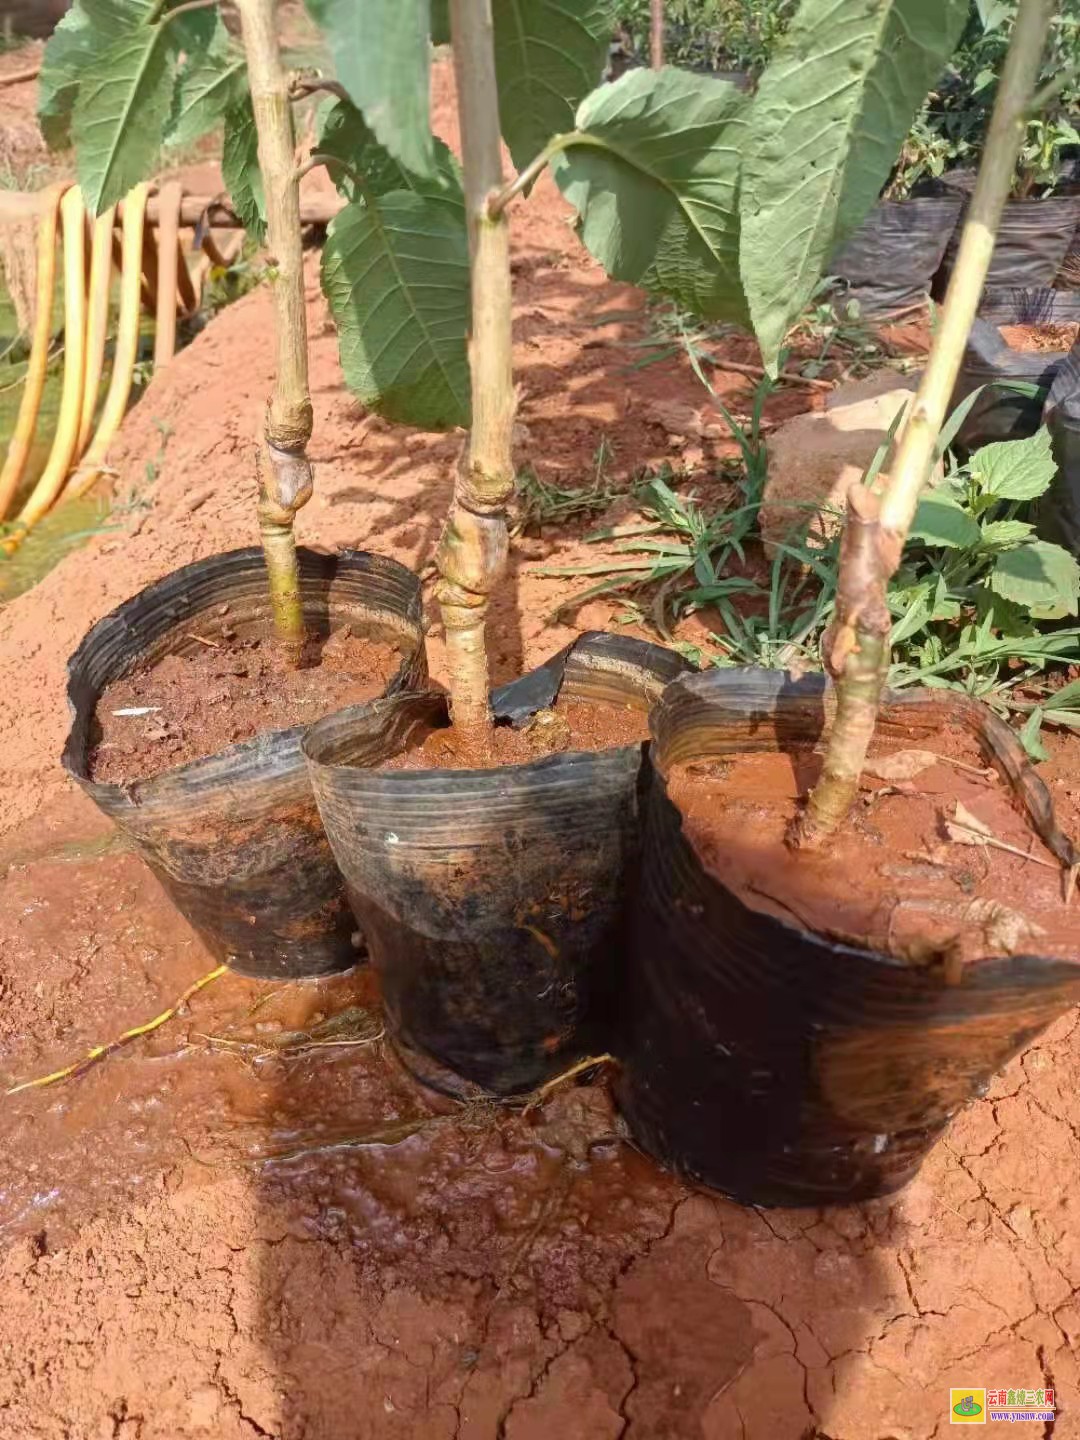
(888, 264)
(492, 899)
(1033, 239)
(787, 1066)
(235, 837)
(1001, 412)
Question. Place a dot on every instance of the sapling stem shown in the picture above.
(656, 34)
(472, 552)
(856, 646)
(284, 470)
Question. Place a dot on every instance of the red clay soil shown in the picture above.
(922, 893)
(214, 1235)
(227, 688)
(1040, 337)
(575, 725)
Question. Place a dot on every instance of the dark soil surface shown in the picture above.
(574, 725)
(896, 878)
(224, 688)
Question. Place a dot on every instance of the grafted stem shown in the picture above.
(472, 553)
(285, 478)
(857, 645)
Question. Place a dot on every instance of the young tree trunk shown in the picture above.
(656, 33)
(856, 647)
(472, 552)
(285, 478)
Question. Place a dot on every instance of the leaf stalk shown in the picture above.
(498, 200)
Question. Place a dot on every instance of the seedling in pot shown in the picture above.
(119, 81)
(216, 797)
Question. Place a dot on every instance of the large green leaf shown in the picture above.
(381, 52)
(939, 520)
(61, 70)
(240, 167)
(344, 134)
(828, 119)
(212, 79)
(87, 29)
(548, 55)
(1015, 469)
(654, 179)
(1043, 578)
(118, 126)
(396, 273)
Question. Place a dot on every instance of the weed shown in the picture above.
(541, 503)
(677, 545)
(836, 326)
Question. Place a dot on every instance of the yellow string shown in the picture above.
(96, 1052)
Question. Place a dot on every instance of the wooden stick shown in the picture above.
(317, 208)
(20, 77)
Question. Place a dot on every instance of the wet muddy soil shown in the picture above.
(225, 687)
(253, 1223)
(909, 876)
(573, 725)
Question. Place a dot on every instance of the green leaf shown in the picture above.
(196, 32)
(1015, 469)
(1003, 533)
(1043, 577)
(993, 13)
(381, 53)
(120, 112)
(61, 71)
(1064, 698)
(654, 183)
(80, 36)
(396, 274)
(211, 81)
(240, 167)
(344, 134)
(939, 520)
(117, 17)
(827, 121)
(1029, 736)
(548, 55)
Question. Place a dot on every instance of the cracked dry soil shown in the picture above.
(208, 1237)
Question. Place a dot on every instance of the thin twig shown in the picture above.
(539, 1096)
(20, 77)
(301, 86)
(98, 1052)
(757, 371)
